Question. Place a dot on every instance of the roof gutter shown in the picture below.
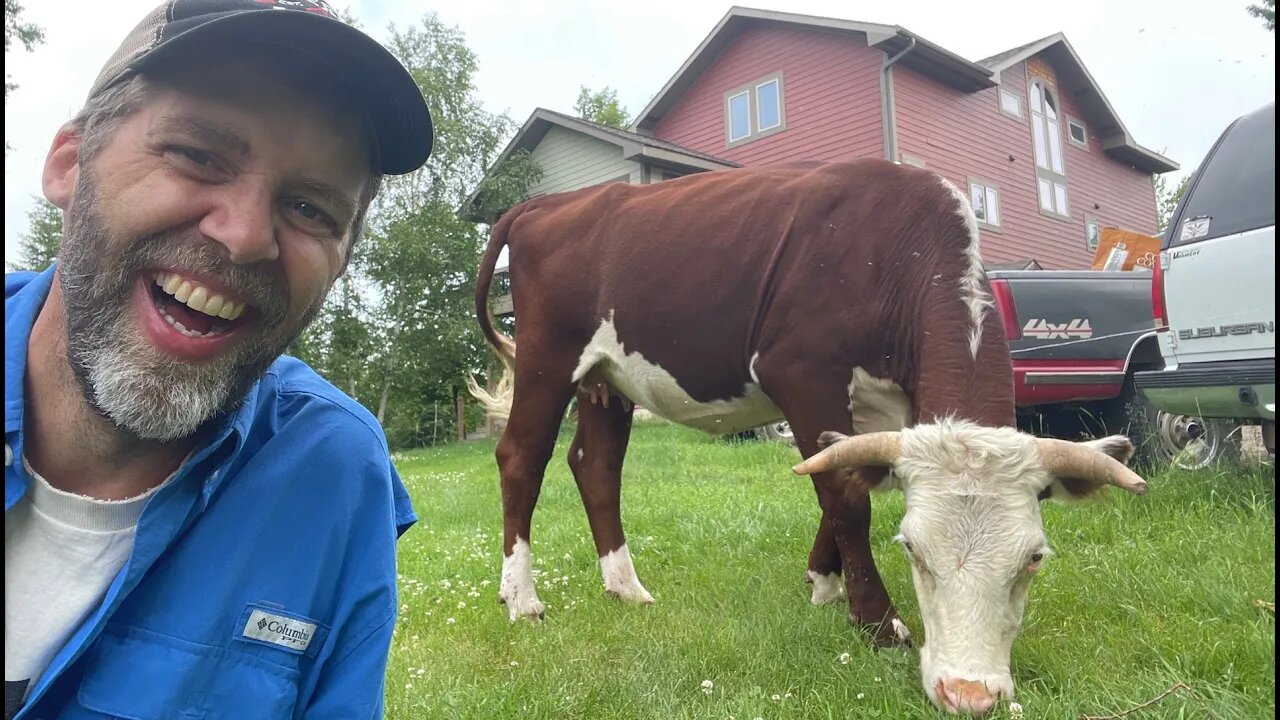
(888, 118)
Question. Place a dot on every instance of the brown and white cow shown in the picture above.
(848, 298)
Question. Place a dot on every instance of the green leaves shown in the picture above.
(602, 107)
(39, 246)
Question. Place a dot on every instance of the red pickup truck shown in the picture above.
(1077, 338)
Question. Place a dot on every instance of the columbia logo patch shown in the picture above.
(287, 632)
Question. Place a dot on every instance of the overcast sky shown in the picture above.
(1177, 71)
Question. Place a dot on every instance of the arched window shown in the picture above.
(1046, 133)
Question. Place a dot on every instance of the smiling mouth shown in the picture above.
(194, 310)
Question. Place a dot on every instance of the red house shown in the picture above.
(1046, 159)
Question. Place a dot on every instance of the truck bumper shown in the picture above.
(1236, 389)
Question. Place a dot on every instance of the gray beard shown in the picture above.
(121, 375)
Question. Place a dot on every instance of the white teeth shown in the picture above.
(199, 298)
(183, 328)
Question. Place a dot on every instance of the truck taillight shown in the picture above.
(1159, 313)
(1008, 313)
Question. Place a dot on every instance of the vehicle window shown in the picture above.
(1236, 190)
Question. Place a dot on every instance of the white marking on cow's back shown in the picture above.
(877, 404)
(518, 590)
(651, 386)
(826, 588)
(977, 299)
(620, 576)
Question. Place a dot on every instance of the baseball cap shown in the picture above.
(401, 121)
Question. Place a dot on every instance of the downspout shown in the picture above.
(888, 118)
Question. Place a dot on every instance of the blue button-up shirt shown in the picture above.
(262, 582)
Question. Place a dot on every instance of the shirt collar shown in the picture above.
(21, 309)
(225, 434)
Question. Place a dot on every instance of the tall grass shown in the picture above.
(1142, 593)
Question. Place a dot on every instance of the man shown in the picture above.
(196, 526)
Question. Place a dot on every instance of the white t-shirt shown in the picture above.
(61, 553)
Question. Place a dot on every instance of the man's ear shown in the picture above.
(860, 481)
(62, 167)
(1069, 488)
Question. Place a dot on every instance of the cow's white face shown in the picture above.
(973, 533)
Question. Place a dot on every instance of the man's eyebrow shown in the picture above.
(205, 130)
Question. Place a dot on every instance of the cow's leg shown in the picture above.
(596, 456)
(813, 406)
(542, 392)
(824, 565)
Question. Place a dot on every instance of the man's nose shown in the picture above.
(243, 221)
(966, 697)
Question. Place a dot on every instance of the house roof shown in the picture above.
(1116, 140)
(633, 146)
(926, 57)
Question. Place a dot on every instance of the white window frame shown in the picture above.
(1001, 94)
(778, 89)
(728, 117)
(991, 199)
(1084, 130)
(1091, 244)
(752, 91)
(1046, 140)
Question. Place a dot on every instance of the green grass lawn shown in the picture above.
(1142, 593)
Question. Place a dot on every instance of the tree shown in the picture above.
(1266, 10)
(601, 107)
(26, 33)
(1167, 198)
(39, 246)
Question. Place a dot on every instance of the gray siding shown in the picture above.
(571, 160)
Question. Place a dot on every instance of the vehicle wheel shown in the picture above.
(776, 431)
(1183, 441)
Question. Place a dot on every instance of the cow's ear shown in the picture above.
(860, 481)
(1067, 489)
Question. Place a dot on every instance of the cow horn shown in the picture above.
(1072, 459)
(877, 448)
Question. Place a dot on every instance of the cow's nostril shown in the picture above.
(968, 696)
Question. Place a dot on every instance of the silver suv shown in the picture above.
(1214, 290)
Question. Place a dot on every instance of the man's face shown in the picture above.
(200, 241)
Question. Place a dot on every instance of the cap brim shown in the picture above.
(395, 105)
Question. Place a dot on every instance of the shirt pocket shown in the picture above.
(143, 675)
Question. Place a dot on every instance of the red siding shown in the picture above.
(962, 135)
(831, 97)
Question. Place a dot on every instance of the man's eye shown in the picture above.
(196, 156)
(313, 214)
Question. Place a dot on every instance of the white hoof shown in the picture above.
(517, 589)
(901, 631)
(827, 589)
(620, 579)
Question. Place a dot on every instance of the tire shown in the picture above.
(779, 431)
(1163, 439)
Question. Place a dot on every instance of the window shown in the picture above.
(768, 105)
(1092, 233)
(739, 117)
(755, 110)
(1010, 104)
(985, 199)
(1077, 133)
(1046, 134)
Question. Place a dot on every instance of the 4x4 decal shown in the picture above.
(1078, 329)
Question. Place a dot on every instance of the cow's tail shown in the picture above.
(498, 402)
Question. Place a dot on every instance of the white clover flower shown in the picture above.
(708, 687)
(514, 663)
(451, 621)
(1015, 709)
(844, 659)
(861, 695)
(775, 697)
